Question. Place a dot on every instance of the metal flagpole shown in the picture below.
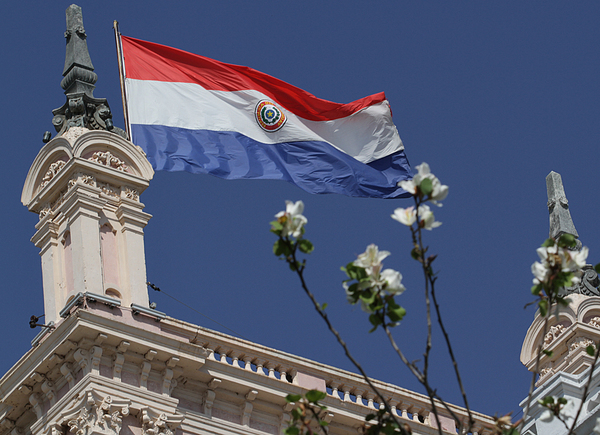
(122, 78)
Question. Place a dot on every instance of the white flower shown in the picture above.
(554, 258)
(540, 272)
(409, 186)
(393, 281)
(371, 258)
(439, 190)
(406, 216)
(426, 218)
(292, 219)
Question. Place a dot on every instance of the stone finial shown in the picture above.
(81, 109)
(561, 223)
(79, 76)
(558, 207)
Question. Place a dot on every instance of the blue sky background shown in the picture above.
(493, 95)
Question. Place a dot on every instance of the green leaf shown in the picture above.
(547, 352)
(277, 247)
(548, 400)
(562, 401)
(426, 187)
(276, 227)
(292, 398)
(536, 289)
(370, 417)
(292, 430)
(543, 304)
(375, 321)
(567, 241)
(591, 351)
(282, 248)
(323, 423)
(305, 246)
(396, 314)
(415, 253)
(323, 306)
(314, 396)
(548, 243)
(368, 297)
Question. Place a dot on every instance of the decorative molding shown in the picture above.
(578, 342)
(109, 189)
(52, 171)
(132, 194)
(247, 407)
(105, 158)
(88, 179)
(65, 369)
(45, 211)
(154, 423)
(553, 334)
(94, 415)
(595, 322)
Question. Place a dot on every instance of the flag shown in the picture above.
(196, 114)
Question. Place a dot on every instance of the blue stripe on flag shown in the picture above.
(314, 166)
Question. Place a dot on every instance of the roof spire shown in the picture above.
(79, 73)
(558, 207)
(81, 109)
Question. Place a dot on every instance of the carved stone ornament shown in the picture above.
(132, 194)
(579, 342)
(109, 189)
(45, 211)
(595, 322)
(154, 423)
(107, 159)
(52, 171)
(88, 179)
(553, 334)
(94, 415)
(545, 371)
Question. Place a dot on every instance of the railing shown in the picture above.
(339, 384)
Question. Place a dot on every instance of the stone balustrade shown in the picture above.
(339, 384)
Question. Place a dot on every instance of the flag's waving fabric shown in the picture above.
(196, 114)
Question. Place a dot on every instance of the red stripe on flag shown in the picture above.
(149, 61)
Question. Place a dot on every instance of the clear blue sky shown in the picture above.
(493, 95)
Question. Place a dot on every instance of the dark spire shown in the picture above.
(81, 108)
(79, 73)
(561, 223)
(558, 207)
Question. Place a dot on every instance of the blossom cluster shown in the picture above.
(425, 187)
(408, 216)
(375, 287)
(388, 280)
(558, 263)
(433, 189)
(291, 221)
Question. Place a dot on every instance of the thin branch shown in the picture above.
(300, 273)
(430, 392)
(451, 352)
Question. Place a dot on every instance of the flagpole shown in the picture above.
(122, 78)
